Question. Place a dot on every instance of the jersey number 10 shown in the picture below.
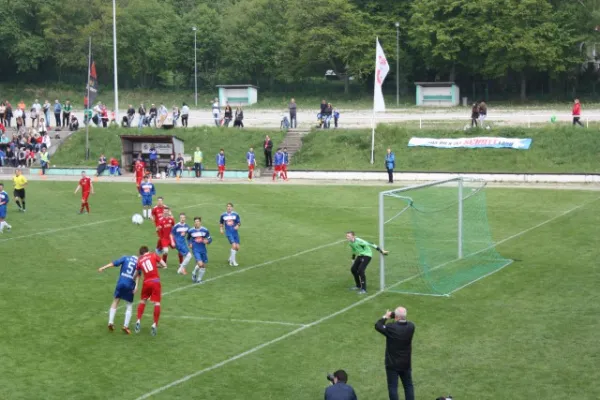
(147, 266)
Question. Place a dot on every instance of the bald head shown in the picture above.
(400, 313)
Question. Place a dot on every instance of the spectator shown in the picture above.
(22, 156)
(474, 115)
(292, 108)
(153, 157)
(8, 113)
(328, 115)
(216, 110)
(114, 167)
(142, 114)
(198, 162)
(46, 109)
(101, 165)
(57, 112)
(268, 148)
(153, 114)
(482, 113)
(390, 164)
(46, 142)
(42, 130)
(66, 113)
(10, 157)
(180, 164)
(239, 118)
(323, 106)
(185, 113)
(172, 167)
(44, 161)
(33, 114)
(74, 124)
(2, 128)
(398, 349)
(577, 113)
(176, 114)
(2, 157)
(2, 113)
(336, 117)
(228, 114)
(339, 389)
(103, 115)
(130, 115)
(162, 114)
(87, 116)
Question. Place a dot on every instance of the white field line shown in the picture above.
(239, 271)
(79, 226)
(323, 319)
(247, 321)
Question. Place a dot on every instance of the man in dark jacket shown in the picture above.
(399, 335)
(268, 147)
(292, 107)
(340, 390)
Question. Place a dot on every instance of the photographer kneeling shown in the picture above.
(339, 389)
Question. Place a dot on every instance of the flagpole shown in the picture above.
(115, 59)
(373, 116)
(87, 126)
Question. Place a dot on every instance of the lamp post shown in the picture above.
(195, 68)
(115, 59)
(397, 64)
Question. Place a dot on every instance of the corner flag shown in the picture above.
(381, 70)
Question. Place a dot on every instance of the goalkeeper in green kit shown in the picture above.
(361, 254)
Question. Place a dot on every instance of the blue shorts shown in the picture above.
(2, 212)
(146, 200)
(201, 256)
(124, 292)
(233, 237)
(183, 250)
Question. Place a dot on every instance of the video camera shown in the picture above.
(444, 398)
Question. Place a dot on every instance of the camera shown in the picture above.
(444, 398)
(393, 315)
(330, 378)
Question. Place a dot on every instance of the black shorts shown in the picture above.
(20, 193)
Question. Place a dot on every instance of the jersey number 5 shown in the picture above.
(147, 266)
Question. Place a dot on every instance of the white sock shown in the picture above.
(7, 225)
(196, 268)
(2, 226)
(128, 312)
(201, 273)
(233, 253)
(144, 213)
(111, 315)
(186, 260)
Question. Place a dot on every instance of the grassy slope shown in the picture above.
(554, 149)
(210, 140)
(514, 326)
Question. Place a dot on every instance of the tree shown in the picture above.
(527, 36)
(330, 34)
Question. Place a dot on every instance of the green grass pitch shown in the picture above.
(274, 326)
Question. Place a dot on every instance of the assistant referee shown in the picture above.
(20, 182)
(361, 254)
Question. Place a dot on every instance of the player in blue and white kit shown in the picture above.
(179, 235)
(124, 290)
(4, 199)
(199, 237)
(147, 190)
(229, 224)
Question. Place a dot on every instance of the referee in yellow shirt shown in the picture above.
(19, 193)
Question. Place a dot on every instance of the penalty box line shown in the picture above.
(328, 317)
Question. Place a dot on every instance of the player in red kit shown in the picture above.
(148, 265)
(163, 229)
(85, 184)
(140, 171)
(157, 210)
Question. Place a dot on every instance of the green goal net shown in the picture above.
(438, 236)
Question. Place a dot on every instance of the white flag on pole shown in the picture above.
(381, 70)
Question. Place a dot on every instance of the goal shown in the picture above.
(438, 236)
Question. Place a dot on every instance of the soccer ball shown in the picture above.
(137, 219)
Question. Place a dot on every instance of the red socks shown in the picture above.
(164, 257)
(140, 310)
(180, 258)
(87, 206)
(156, 314)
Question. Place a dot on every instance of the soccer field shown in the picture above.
(274, 326)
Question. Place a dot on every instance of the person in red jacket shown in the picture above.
(577, 113)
